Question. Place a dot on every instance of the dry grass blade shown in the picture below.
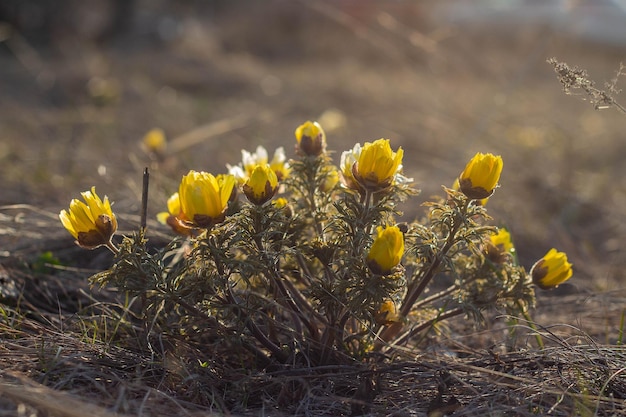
(52, 402)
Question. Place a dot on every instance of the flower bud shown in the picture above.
(377, 165)
(311, 139)
(92, 223)
(480, 177)
(551, 270)
(387, 313)
(498, 246)
(386, 251)
(330, 179)
(204, 199)
(279, 164)
(154, 142)
(262, 185)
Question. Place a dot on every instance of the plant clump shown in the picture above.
(302, 263)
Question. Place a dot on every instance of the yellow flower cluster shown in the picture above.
(335, 226)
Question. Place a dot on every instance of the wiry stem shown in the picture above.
(416, 290)
(112, 248)
(443, 316)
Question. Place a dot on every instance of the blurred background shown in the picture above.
(82, 82)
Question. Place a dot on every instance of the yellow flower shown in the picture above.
(377, 165)
(386, 251)
(204, 199)
(262, 185)
(551, 270)
(92, 224)
(481, 175)
(249, 161)
(331, 178)
(348, 159)
(387, 313)
(279, 164)
(280, 202)
(502, 240)
(311, 138)
(154, 141)
(174, 217)
(499, 246)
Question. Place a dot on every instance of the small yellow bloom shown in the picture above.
(280, 202)
(480, 177)
(499, 246)
(331, 178)
(551, 270)
(348, 159)
(279, 164)
(377, 165)
(262, 185)
(311, 138)
(204, 199)
(387, 313)
(249, 161)
(386, 251)
(154, 141)
(92, 224)
(174, 217)
(502, 240)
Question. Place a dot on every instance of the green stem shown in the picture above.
(291, 299)
(414, 291)
(532, 325)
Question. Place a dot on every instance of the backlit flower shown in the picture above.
(499, 245)
(249, 161)
(174, 217)
(348, 159)
(387, 313)
(204, 199)
(311, 138)
(279, 164)
(262, 185)
(154, 141)
(551, 270)
(92, 223)
(481, 175)
(386, 251)
(502, 240)
(377, 165)
(330, 179)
